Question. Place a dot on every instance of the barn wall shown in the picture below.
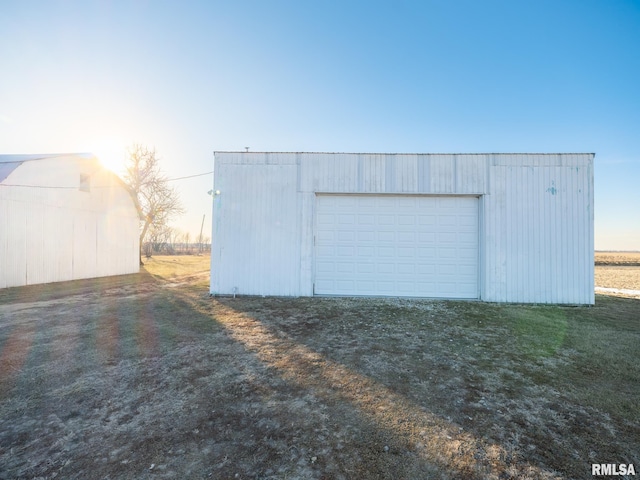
(57, 234)
(536, 217)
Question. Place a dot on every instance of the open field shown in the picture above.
(620, 271)
(145, 376)
(618, 258)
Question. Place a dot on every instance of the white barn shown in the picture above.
(493, 227)
(64, 217)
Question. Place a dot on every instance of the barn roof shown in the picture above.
(8, 163)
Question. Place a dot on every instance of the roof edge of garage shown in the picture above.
(402, 153)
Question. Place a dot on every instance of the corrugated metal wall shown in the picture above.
(538, 222)
(55, 234)
(257, 230)
(536, 216)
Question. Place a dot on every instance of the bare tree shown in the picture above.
(187, 242)
(157, 201)
(159, 239)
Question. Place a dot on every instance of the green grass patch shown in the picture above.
(539, 331)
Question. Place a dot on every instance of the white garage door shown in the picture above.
(397, 245)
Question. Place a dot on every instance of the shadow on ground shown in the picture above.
(144, 379)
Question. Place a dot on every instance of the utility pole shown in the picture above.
(201, 226)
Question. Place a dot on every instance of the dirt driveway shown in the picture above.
(145, 376)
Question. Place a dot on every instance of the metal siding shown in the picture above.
(256, 241)
(371, 173)
(470, 174)
(494, 273)
(58, 249)
(4, 239)
(307, 213)
(35, 245)
(539, 245)
(55, 234)
(442, 174)
(385, 173)
(13, 263)
(405, 173)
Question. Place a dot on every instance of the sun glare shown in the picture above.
(112, 154)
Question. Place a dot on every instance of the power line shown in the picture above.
(189, 176)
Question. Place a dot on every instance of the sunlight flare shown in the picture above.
(112, 153)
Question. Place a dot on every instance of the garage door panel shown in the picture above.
(397, 245)
(366, 268)
(326, 219)
(426, 238)
(366, 252)
(447, 271)
(426, 270)
(325, 267)
(467, 290)
(467, 254)
(468, 220)
(446, 289)
(406, 288)
(366, 219)
(407, 237)
(326, 236)
(346, 267)
(346, 219)
(468, 238)
(367, 201)
(406, 202)
(468, 272)
(385, 268)
(425, 253)
(368, 286)
(346, 236)
(447, 237)
(406, 220)
(425, 289)
(446, 253)
(447, 220)
(406, 268)
(325, 253)
(366, 236)
(386, 237)
(345, 285)
(427, 219)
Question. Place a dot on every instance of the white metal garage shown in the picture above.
(421, 246)
(496, 227)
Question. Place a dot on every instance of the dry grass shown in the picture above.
(168, 267)
(145, 376)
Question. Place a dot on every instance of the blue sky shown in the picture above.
(394, 76)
